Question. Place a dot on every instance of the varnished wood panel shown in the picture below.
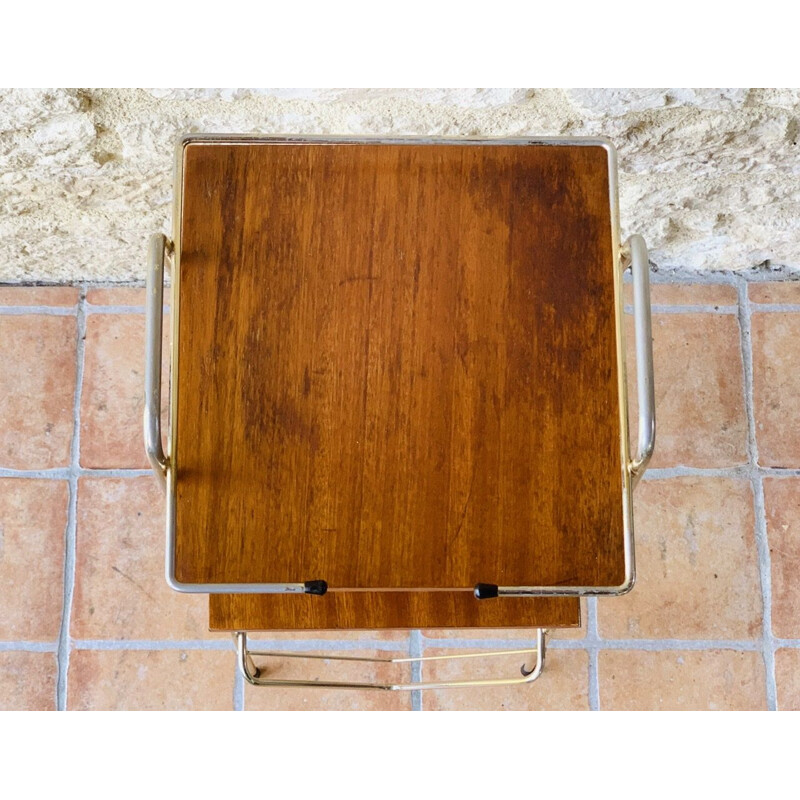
(397, 366)
(381, 610)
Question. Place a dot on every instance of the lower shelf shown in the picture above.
(387, 610)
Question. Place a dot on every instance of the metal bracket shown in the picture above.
(635, 252)
(160, 248)
(257, 675)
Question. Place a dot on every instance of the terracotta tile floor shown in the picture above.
(86, 621)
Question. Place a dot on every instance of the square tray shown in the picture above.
(397, 366)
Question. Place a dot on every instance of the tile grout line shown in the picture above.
(63, 652)
(56, 473)
(652, 474)
(739, 471)
(63, 473)
(114, 472)
(90, 310)
(664, 308)
(38, 311)
(29, 647)
(591, 642)
(415, 646)
(665, 473)
(75, 284)
(213, 645)
(757, 483)
(97, 308)
(717, 277)
(762, 546)
(768, 308)
(238, 687)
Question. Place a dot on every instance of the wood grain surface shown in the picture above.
(397, 366)
(393, 610)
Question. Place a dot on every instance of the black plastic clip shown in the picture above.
(485, 591)
(315, 587)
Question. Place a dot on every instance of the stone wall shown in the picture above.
(711, 177)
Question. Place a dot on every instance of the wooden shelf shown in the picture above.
(392, 610)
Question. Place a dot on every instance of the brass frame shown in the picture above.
(165, 465)
(257, 675)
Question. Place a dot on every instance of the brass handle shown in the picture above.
(160, 247)
(258, 676)
(636, 251)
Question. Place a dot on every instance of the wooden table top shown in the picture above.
(397, 366)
